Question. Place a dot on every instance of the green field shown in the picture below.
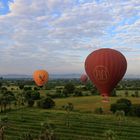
(90, 103)
(83, 126)
(84, 123)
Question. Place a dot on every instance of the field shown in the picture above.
(90, 103)
(83, 126)
(84, 122)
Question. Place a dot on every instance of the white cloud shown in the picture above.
(52, 33)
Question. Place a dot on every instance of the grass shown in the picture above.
(90, 103)
(83, 126)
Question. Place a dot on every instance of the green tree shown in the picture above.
(68, 107)
(78, 92)
(46, 103)
(21, 86)
(6, 99)
(121, 104)
(0, 85)
(126, 93)
(113, 93)
(69, 87)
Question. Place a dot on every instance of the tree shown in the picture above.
(29, 94)
(0, 85)
(78, 92)
(89, 86)
(4, 89)
(121, 104)
(113, 93)
(46, 103)
(69, 87)
(27, 88)
(135, 110)
(36, 88)
(6, 98)
(31, 102)
(94, 91)
(68, 107)
(21, 86)
(126, 93)
(125, 101)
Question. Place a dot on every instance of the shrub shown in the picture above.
(46, 103)
(121, 104)
(36, 88)
(135, 110)
(30, 103)
(29, 94)
(125, 101)
(4, 119)
(113, 93)
(69, 87)
(27, 88)
(98, 110)
(78, 93)
(35, 95)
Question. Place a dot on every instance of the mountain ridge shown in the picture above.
(57, 76)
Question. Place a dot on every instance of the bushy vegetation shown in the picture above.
(83, 126)
(135, 110)
(18, 96)
(126, 106)
(46, 103)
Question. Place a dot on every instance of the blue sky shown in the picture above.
(57, 35)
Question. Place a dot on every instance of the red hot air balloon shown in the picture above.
(83, 78)
(105, 68)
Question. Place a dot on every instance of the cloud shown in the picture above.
(58, 34)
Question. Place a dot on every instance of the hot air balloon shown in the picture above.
(40, 77)
(83, 78)
(105, 68)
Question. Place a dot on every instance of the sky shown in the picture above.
(58, 35)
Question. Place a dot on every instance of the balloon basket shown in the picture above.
(105, 99)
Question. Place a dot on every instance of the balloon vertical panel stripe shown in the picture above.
(105, 68)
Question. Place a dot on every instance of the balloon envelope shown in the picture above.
(105, 68)
(83, 78)
(40, 77)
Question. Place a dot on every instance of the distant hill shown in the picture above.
(52, 76)
(57, 76)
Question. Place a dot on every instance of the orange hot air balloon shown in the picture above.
(84, 78)
(105, 68)
(40, 77)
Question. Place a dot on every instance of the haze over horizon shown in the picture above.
(57, 35)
